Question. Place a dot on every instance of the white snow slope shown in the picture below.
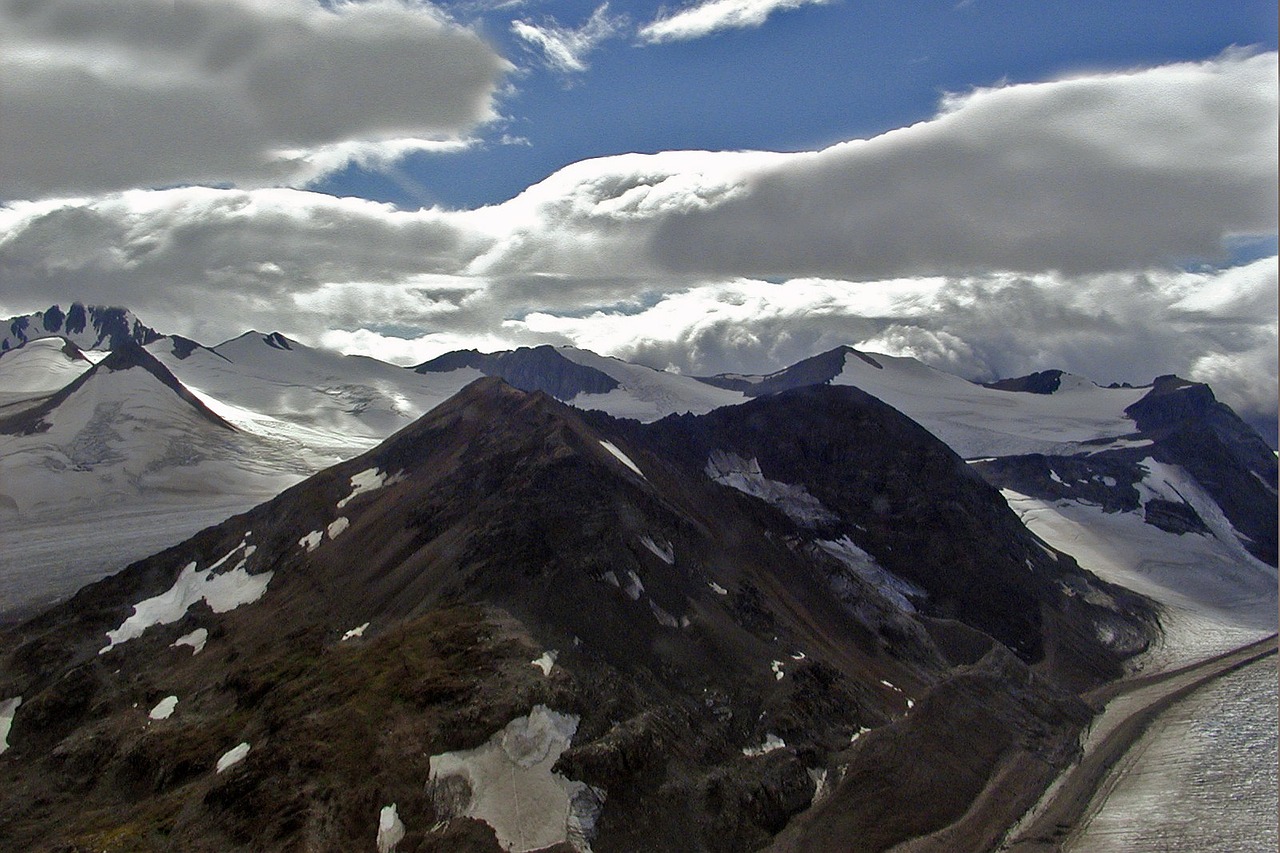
(977, 421)
(333, 405)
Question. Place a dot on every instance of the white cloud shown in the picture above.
(564, 49)
(1024, 228)
(111, 94)
(1109, 171)
(715, 16)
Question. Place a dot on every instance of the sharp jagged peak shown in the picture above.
(88, 326)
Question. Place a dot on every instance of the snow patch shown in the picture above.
(729, 469)
(634, 588)
(819, 777)
(893, 588)
(776, 666)
(546, 661)
(368, 481)
(312, 540)
(771, 742)
(164, 708)
(390, 829)
(232, 757)
(717, 589)
(222, 592)
(338, 525)
(1053, 475)
(8, 708)
(510, 785)
(621, 457)
(196, 640)
(357, 631)
(664, 618)
(663, 552)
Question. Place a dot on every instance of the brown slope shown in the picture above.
(503, 534)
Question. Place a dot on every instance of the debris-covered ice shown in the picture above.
(508, 783)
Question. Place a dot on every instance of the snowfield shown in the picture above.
(978, 421)
(222, 592)
(511, 786)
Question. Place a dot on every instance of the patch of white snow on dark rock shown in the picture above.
(509, 784)
(730, 469)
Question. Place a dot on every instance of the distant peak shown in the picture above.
(540, 368)
(89, 327)
(1040, 382)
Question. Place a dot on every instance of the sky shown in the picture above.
(729, 185)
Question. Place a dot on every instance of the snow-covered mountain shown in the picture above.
(975, 420)
(1161, 488)
(123, 439)
(589, 381)
(331, 405)
(38, 369)
(514, 625)
(94, 327)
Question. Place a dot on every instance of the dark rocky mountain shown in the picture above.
(89, 327)
(1040, 382)
(817, 370)
(513, 625)
(528, 369)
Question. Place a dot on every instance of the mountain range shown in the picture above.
(544, 599)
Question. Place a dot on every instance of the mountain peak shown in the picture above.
(89, 327)
(128, 355)
(540, 368)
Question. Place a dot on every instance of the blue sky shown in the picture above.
(806, 78)
(991, 187)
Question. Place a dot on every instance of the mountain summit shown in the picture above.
(513, 626)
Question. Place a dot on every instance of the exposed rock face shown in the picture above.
(507, 559)
(92, 327)
(1177, 424)
(818, 370)
(528, 369)
(1040, 382)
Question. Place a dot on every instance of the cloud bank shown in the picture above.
(1022, 228)
(104, 95)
